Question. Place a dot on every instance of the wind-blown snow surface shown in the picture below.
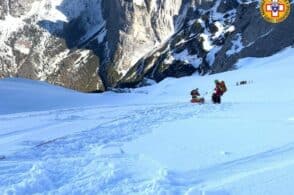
(153, 141)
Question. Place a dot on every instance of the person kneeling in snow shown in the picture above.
(195, 96)
(219, 90)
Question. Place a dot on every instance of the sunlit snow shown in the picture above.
(153, 140)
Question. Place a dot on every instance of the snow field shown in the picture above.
(152, 140)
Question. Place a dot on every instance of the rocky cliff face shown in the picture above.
(214, 36)
(134, 29)
(91, 45)
(81, 44)
(33, 44)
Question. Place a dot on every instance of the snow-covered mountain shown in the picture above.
(153, 141)
(91, 45)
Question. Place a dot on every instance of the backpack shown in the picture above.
(223, 86)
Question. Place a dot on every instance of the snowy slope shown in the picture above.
(153, 141)
(21, 95)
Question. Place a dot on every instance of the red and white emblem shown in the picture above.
(275, 8)
(275, 11)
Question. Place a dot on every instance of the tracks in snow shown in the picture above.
(64, 161)
(211, 178)
(92, 160)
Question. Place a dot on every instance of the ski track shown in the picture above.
(208, 179)
(48, 166)
(92, 161)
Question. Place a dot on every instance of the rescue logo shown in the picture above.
(275, 11)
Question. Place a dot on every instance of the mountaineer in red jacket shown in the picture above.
(219, 90)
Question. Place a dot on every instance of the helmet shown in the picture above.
(216, 81)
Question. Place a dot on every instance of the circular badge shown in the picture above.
(275, 11)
